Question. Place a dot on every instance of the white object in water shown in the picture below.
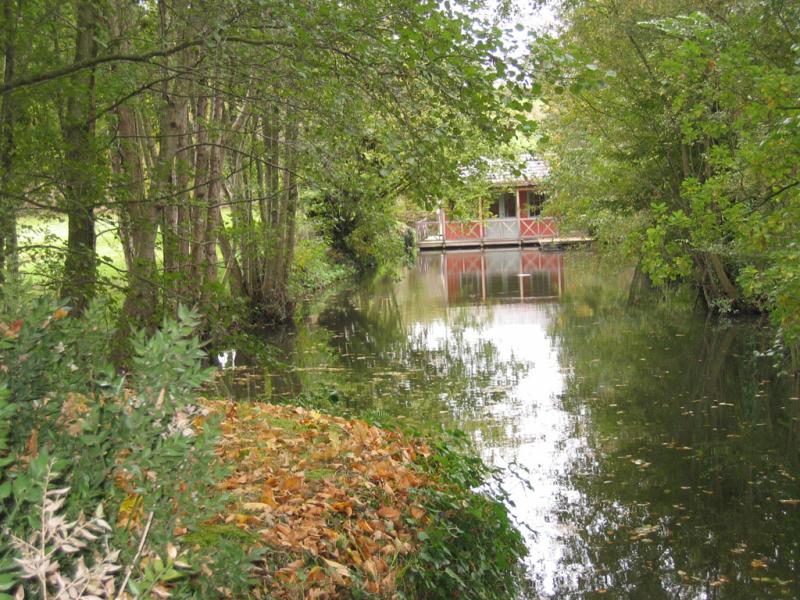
(225, 357)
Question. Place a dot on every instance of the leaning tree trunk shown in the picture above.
(202, 162)
(265, 276)
(81, 189)
(165, 192)
(170, 177)
(715, 283)
(141, 214)
(641, 287)
(279, 305)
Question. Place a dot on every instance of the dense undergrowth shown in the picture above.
(111, 483)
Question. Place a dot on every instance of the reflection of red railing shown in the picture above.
(503, 274)
(463, 262)
(552, 262)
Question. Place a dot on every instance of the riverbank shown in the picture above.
(344, 508)
(134, 486)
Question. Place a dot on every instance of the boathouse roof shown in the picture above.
(525, 170)
(528, 170)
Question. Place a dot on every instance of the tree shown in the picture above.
(193, 128)
(689, 135)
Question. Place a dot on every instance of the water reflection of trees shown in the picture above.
(691, 464)
(413, 369)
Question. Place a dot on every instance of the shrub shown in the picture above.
(471, 548)
(136, 445)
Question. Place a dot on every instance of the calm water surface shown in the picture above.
(648, 452)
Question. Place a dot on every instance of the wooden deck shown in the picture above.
(541, 242)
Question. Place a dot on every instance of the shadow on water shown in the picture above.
(648, 452)
(686, 485)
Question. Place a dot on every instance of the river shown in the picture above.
(648, 452)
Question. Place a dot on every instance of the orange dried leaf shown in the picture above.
(370, 569)
(389, 512)
(257, 507)
(345, 507)
(12, 331)
(130, 511)
(295, 565)
(32, 447)
(382, 470)
(267, 497)
(364, 526)
(292, 484)
(354, 556)
(337, 567)
(241, 519)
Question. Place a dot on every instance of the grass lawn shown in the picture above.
(43, 239)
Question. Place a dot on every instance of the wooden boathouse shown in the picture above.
(511, 217)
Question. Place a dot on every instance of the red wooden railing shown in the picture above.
(527, 228)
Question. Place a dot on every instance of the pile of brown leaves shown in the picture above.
(333, 496)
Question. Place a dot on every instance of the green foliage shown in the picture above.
(361, 230)
(314, 269)
(471, 549)
(693, 132)
(391, 98)
(138, 444)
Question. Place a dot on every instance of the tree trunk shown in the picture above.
(718, 290)
(214, 218)
(171, 131)
(290, 185)
(8, 203)
(270, 209)
(138, 214)
(641, 287)
(183, 168)
(81, 189)
(721, 273)
(141, 300)
(202, 163)
(167, 191)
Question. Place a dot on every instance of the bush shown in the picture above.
(471, 548)
(313, 268)
(137, 448)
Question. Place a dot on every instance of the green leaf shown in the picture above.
(8, 581)
(5, 490)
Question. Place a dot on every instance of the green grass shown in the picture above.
(320, 474)
(43, 241)
(213, 534)
(50, 229)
